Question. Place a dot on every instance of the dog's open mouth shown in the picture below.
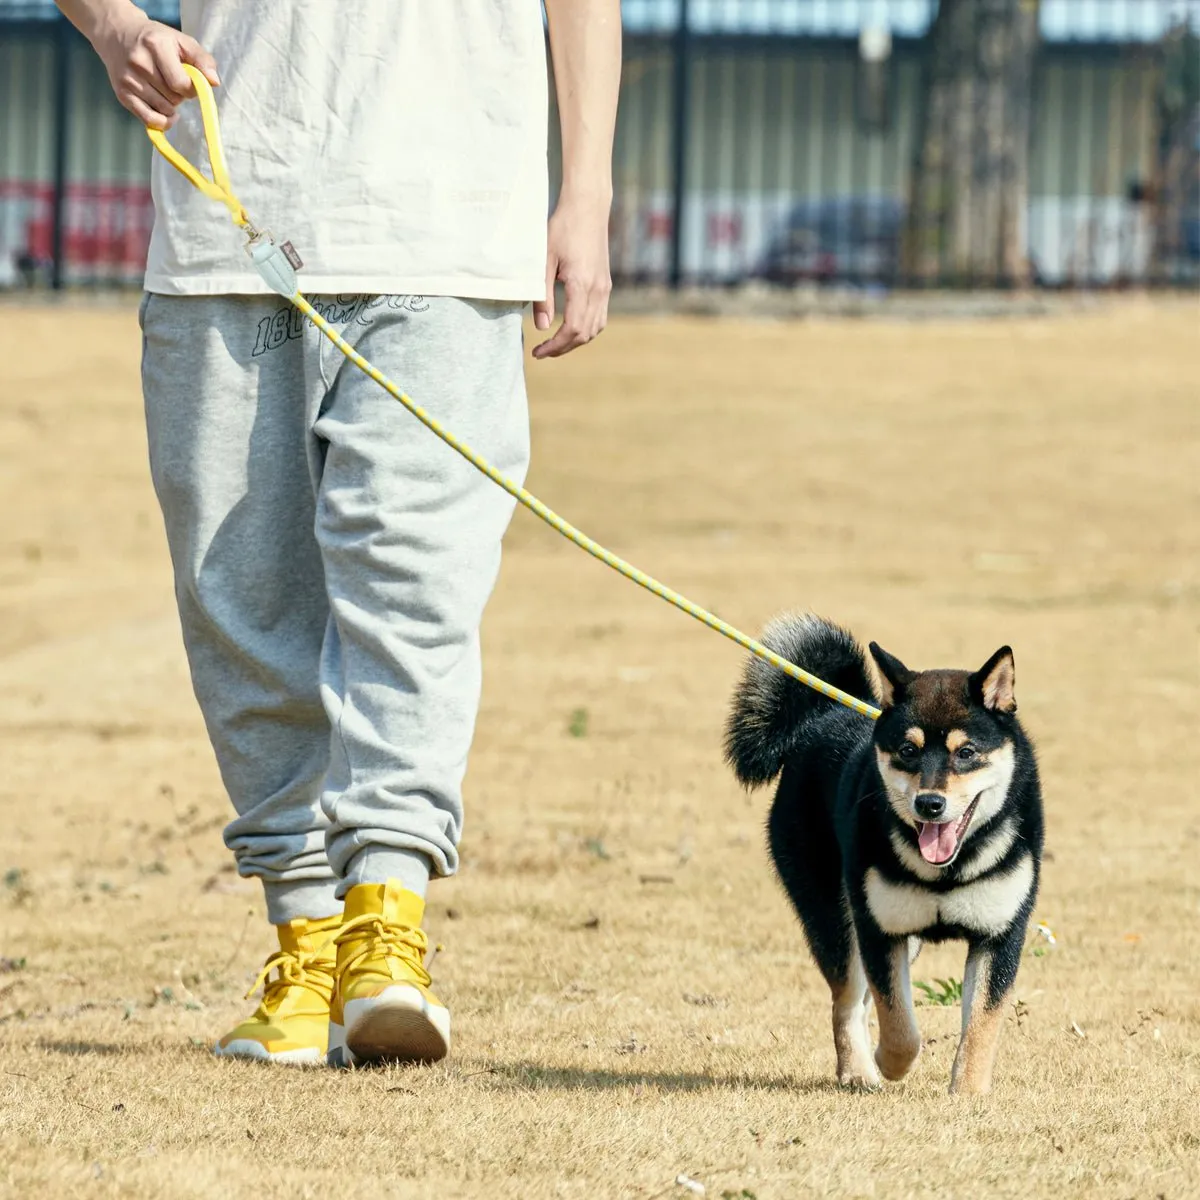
(940, 843)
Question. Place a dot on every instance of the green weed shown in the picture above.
(942, 991)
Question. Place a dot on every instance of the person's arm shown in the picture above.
(585, 44)
(142, 57)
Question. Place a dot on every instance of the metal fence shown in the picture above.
(842, 142)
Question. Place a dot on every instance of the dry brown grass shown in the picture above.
(943, 488)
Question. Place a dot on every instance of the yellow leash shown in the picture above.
(278, 263)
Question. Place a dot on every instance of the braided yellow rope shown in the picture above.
(220, 189)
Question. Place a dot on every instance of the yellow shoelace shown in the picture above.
(296, 968)
(381, 938)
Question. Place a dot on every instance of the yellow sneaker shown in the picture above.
(291, 1024)
(382, 1007)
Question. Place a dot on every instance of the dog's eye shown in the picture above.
(908, 752)
(966, 754)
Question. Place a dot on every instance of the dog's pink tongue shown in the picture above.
(938, 842)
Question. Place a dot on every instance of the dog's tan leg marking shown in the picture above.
(851, 1032)
(899, 1038)
(972, 1074)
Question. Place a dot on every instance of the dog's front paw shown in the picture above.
(860, 1077)
(857, 1073)
(895, 1059)
(966, 1085)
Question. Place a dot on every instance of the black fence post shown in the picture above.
(62, 102)
(680, 123)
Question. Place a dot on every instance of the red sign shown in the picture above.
(106, 226)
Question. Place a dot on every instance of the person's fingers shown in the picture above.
(154, 83)
(600, 298)
(194, 53)
(142, 67)
(144, 113)
(573, 330)
(543, 310)
(554, 347)
(167, 72)
(146, 102)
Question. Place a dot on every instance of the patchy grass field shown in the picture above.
(631, 996)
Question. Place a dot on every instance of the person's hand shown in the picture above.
(577, 256)
(144, 62)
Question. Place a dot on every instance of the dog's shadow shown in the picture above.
(537, 1077)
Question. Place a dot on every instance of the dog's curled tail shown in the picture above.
(770, 708)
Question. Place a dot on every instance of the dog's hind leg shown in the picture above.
(800, 841)
(899, 1037)
(987, 982)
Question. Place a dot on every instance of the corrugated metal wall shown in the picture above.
(787, 176)
(778, 130)
(105, 209)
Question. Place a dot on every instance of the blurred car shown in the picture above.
(855, 239)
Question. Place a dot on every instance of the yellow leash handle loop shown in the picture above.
(219, 187)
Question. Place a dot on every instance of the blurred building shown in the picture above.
(771, 139)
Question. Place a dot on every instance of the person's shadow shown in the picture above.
(80, 1049)
(536, 1077)
(531, 1076)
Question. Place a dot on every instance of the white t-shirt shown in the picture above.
(400, 145)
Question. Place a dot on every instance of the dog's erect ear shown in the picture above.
(992, 685)
(894, 676)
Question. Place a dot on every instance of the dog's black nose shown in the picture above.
(929, 806)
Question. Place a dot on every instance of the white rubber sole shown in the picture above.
(309, 1056)
(399, 1025)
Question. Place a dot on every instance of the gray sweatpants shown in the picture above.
(332, 561)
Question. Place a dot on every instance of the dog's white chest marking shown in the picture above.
(985, 906)
(899, 907)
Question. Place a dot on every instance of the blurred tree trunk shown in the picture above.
(970, 190)
(1176, 189)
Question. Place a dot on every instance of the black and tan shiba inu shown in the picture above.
(925, 825)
